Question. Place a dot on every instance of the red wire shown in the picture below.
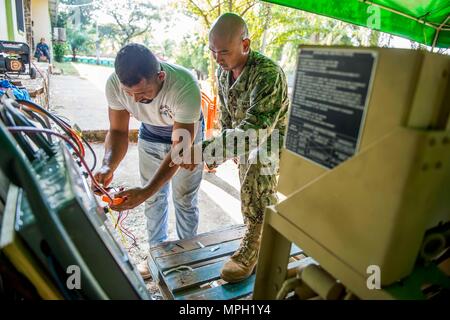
(126, 231)
(72, 132)
(38, 130)
(118, 219)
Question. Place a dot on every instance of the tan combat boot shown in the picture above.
(242, 263)
(144, 270)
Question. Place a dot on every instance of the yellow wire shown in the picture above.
(124, 241)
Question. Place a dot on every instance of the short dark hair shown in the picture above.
(135, 62)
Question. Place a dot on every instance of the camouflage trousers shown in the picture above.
(257, 192)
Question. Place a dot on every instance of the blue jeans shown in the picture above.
(185, 186)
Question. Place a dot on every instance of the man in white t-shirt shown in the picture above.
(166, 99)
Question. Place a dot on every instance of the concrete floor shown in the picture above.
(82, 98)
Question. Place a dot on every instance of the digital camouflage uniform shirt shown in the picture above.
(258, 99)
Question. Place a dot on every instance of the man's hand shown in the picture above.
(104, 177)
(131, 198)
(189, 166)
(211, 167)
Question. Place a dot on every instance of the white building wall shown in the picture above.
(3, 28)
(19, 36)
(41, 22)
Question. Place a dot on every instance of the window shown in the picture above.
(19, 15)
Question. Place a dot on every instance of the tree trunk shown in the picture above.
(212, 75)
(74, 55)
(266, 14)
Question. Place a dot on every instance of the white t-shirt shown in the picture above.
(179, 99)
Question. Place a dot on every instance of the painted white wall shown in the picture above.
(42, 26)
(3, 28)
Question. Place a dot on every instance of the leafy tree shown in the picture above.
(193, 54)
(208, 11)
(133, 18)
(79, 40)
(165, 50)
(110, 32)
(278, 31)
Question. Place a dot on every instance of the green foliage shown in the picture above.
(79, 40)
(193, 54)
(110, 32)
(277, 31)
(132, 19)
(59, 50)
(61, 20)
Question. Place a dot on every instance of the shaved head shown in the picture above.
(229, 42)
(229, 26)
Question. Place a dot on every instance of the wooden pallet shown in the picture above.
(190, 269)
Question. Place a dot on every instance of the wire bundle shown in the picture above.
(122, 230)
(29, 122)
(31, 125)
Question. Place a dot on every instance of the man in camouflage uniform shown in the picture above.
(253, 95)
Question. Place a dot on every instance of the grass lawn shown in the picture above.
(67, 68)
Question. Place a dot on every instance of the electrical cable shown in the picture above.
(57, 121)
(67, 128)
(46, 118)
(38, 118)
(33, 116)
(122, 229)
(127, 232)
(33, 130)
(94, 156)
(110, 212)
(27, 149)
(36, 108)
(38, 139)
(37, 130)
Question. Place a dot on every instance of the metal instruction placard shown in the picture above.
(329, 103)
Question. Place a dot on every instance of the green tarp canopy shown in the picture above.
(424, 21)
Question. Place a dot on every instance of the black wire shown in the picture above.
(31, 130)
(39, 119)
(85, 142)
(65, 121)
(61, 123)
(94, 156)
(38, 139)
(63, 118)
(35, 116)
(55, 119)
(24, 144)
